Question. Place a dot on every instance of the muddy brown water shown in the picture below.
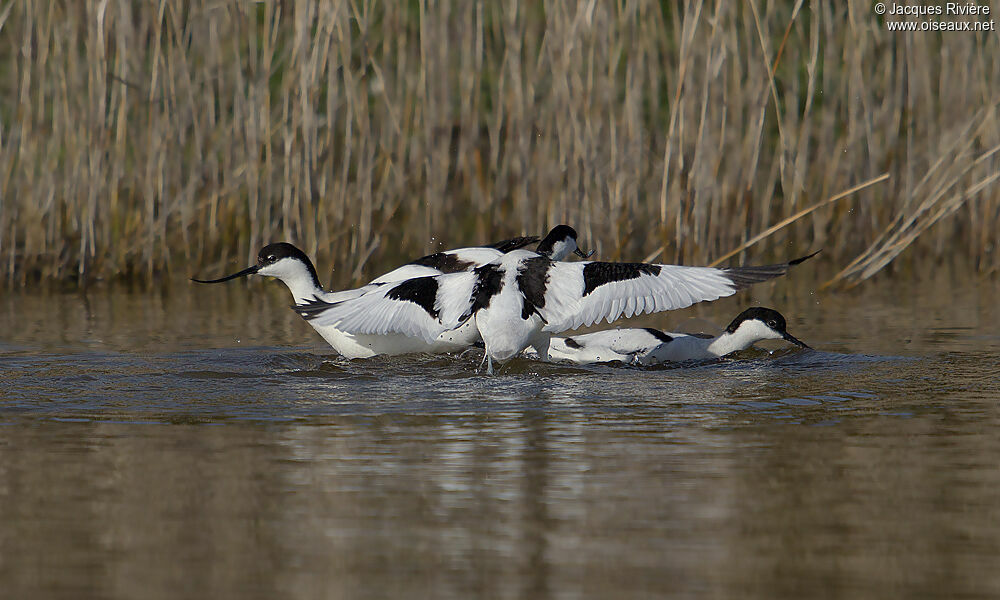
(204, 443)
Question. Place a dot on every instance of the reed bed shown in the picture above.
(149, 140)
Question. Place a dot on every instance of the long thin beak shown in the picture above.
(583, 254)
(791, 338)
(243, 273)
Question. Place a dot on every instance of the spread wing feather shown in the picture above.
(577, 295)
(406, 272)
(386, 309)
(450, 261)
(567, 306)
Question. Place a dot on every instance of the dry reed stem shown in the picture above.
(144, 141)
(904, 232)
(786, 222)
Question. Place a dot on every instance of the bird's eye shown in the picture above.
(271, 258)
(772, 323)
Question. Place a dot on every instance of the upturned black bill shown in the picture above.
(243, 273)
(791, 338)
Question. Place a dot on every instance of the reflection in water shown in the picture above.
(152, 446)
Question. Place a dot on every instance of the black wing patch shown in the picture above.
(532, 279)
(512, 244)
(444, 262)
(489, 281)
(571, 343)
(310, 309)
(664, 338)
(421, 291)
(596, 274)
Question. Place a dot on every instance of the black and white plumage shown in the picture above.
(293, 268)
(290, 265)
(522, 298)
(556, 245)
(648, 346)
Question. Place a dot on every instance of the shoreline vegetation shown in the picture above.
(142, 140)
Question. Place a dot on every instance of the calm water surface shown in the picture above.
(204, 443)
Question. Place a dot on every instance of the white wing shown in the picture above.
(406, 272)
(619, 341)
(424, 307)
(340, 296)
(583, 293)
(449, 261)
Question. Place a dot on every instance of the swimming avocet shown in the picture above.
(521, 299)
(648, 346)
(293, 268)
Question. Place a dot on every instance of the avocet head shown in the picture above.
(559, 243)
(760, 323)
(281, 260)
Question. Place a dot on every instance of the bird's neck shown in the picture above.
(303, 285)
(730, 342)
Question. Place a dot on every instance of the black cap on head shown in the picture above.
(272, 253)
(267, 256)
(768, 316)
(559, 233)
